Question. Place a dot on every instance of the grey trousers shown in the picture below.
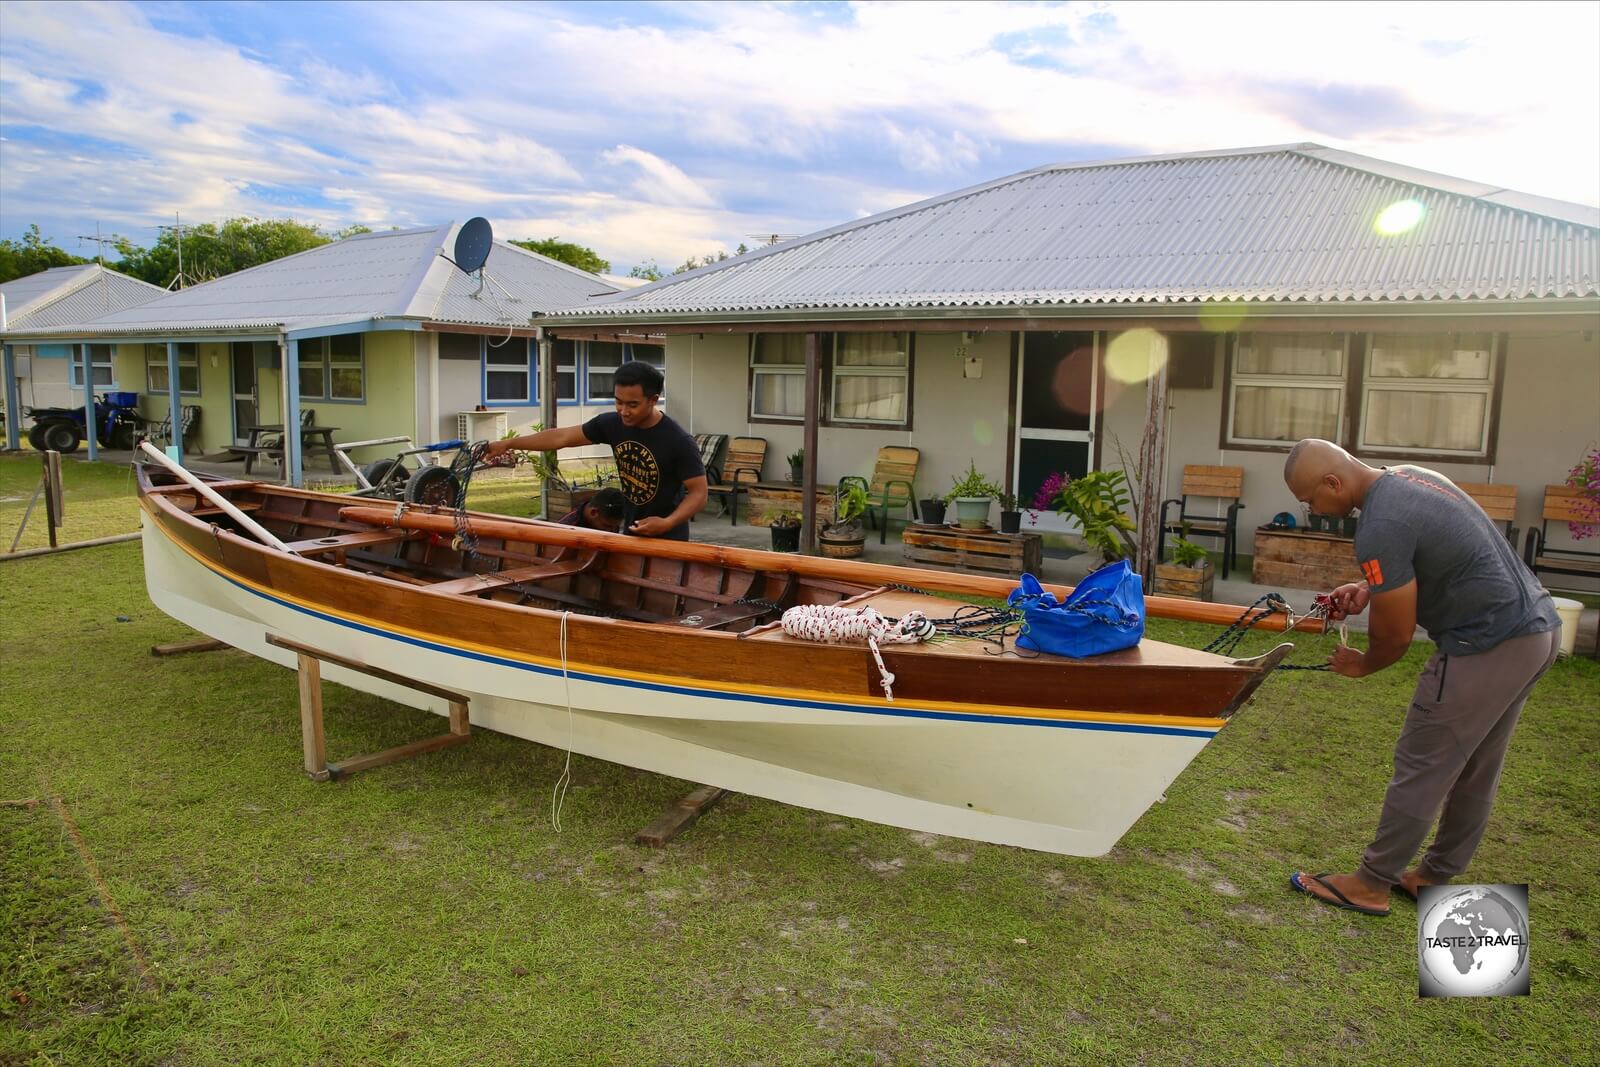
(1450, 753)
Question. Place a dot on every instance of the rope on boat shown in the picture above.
(1270, 604)
(832, 625)
(466, 461)
(558, 795)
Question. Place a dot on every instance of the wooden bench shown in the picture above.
(891, 487)
(1499, 502)
(973, 550)
(1562, 503)
(1220, 483)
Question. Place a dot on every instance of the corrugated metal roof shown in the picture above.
(63, 295)
(1291, 223)
(398, 274)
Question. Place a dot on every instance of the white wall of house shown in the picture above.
(46, 385)
(954, 420)
(1550, 412)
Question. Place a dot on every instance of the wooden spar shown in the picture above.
(803, 566)
(212, 495)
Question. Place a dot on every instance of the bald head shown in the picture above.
(1327, 478)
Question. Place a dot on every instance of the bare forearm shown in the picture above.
(694, 500)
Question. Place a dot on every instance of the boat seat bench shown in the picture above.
(722, 615)
(316, 546)
(482, 583)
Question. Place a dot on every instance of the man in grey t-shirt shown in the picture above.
(1430, 556)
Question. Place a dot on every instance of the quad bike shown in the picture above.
(116, 419)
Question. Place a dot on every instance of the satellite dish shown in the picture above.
(473, 244)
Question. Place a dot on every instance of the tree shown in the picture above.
(650, 272)
(32, 254)
(211, 251)
(574, 255)
(711, 257)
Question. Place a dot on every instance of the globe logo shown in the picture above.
(1472, 941)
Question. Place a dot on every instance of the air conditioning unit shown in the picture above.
(481, 425)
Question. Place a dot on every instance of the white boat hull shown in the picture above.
(1070, 786)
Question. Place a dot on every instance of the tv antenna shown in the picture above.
(769, 239)
(100, 260)
(177, 227)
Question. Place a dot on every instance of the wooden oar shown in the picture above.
(844, 570)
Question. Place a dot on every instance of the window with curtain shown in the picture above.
(510, 374)
(332, 368)
(778, 376)
(871, 378)
(155, 368)
(1286, 387)
(101, 370)
(1428, 393)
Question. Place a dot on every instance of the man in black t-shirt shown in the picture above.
(659, 464)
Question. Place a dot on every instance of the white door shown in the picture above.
(1056, 418)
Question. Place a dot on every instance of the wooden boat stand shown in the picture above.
(679, 817)
(317, 766)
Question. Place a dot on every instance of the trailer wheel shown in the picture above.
(377, 471)
(435, 486)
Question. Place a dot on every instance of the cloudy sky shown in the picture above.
(659, 131)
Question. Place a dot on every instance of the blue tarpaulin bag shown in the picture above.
(1104, 613)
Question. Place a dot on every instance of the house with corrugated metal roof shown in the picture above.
(378, 335)
(1250, 297)
(52, 375)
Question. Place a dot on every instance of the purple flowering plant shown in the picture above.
(1585, 478)
(1048, 495)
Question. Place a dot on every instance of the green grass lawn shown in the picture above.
(98, 499)
(427, 912)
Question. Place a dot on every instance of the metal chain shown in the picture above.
(461, 468)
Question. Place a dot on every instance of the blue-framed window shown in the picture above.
(101, 369)
(604, 357)
(568, 359)
(155, 369)
(333, 368)
(510, 371)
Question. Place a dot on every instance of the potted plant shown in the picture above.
(785, 527)
(1099, 501)
(972, 494)
(1010, 515)
(1189, 575)
(931, 510)
(846, 535)
(797, 466)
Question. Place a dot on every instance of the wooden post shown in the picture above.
(1152, 461)
(808, 502)
(52, 493)
(311, 718)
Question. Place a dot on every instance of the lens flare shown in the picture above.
(982, 432)
(1222, 318)
(1399, 217)
(1135, 355)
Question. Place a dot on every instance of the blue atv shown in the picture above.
(116, 422)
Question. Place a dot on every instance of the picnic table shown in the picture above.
(318, 437)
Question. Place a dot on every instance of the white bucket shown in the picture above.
(1569, 610)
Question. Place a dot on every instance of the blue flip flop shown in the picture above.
(1343, 901)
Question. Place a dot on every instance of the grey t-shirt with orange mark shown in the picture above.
(1473, 592)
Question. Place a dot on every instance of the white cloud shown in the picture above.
(662, 141)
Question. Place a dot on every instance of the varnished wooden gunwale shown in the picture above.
(627, 649)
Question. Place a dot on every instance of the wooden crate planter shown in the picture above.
(1185, 583)
(1297, 559)
(559, 503)
(764, 501)
(970, 550)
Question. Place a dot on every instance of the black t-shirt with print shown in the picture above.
(652, 464)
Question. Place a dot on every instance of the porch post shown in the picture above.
(174, 403)
(808, 488)
(547, 384)
(1152, 460)
(13, 401)
(292, 472)
(88, 402)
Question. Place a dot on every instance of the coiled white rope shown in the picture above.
(833, 625)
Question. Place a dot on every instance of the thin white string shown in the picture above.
(558, 796)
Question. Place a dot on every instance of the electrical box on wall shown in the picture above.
(972, 367)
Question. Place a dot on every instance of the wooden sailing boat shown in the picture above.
(669, 656)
